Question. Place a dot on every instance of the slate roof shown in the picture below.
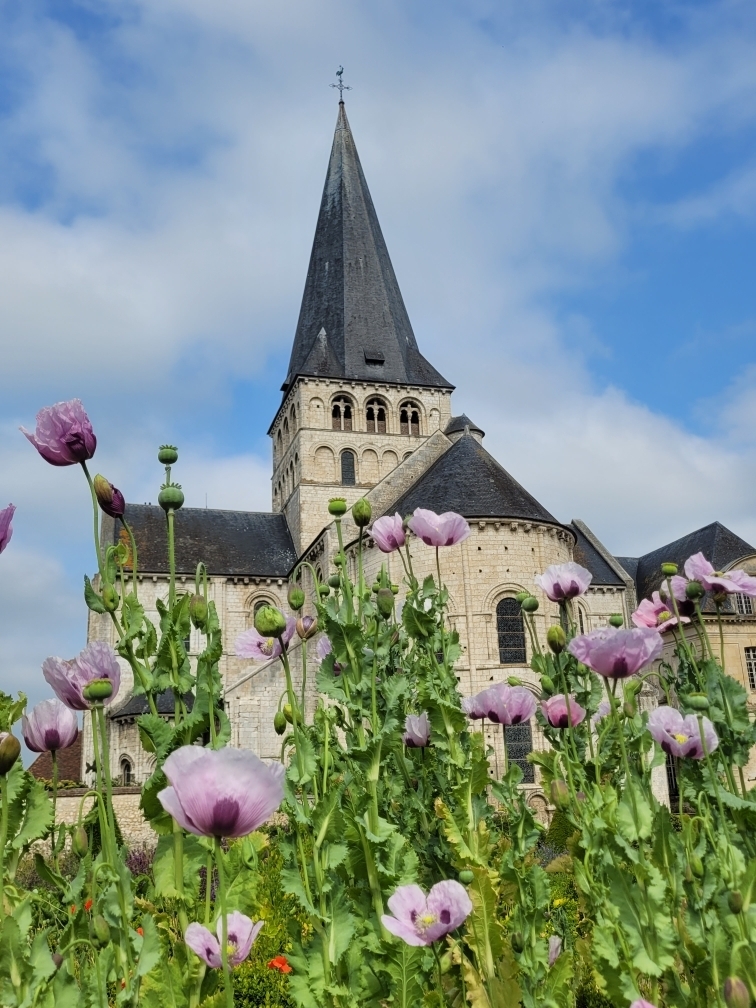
(353, 323)
(468, 480)
(458, 423)
(586, 554)
(230, 543)
(69, 763)
(137, 705)
(717, 543)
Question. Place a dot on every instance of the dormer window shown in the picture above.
(341, 414)
(375, 417)
(409, 419)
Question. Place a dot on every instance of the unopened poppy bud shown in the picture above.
(696, 865)
(307, 626)
(633, 686)
(338, 560)
(324, 590)
(735, 901)
(167, 455)
(698, 701)
(287, 712)
(688, 873)
(556, 639)
(560, 794)
(736, 993)
(445, 962)
(616, 620)
(110, 597)
(295, 597)
(109, 498)
(581, 796)
(57, 959)
(279, 722)
(529, 604)
(10, 750)
(269, 621)
(362, 512)
(171, 497)
(337, 507)
(720, 597)
(521, 596)
(514, 680)
(198, 611)
(394, 589)
(80, 842)
(101, 929)
(669, 569)
(334, 580)
(466, 876)
(547, 684)
(376, 587)
(694, 590)
(517, 941)
(98, 689)
(385, 602)
(629, 708)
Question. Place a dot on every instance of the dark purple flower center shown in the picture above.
(620, 668)
(225, 817)
(445, 917)
(74, 441)
(233, 939)
(427, 540)
(561, 721)
(493, 716)
(410, 744)
(413, 915)
(449, 542)
(517, 718)
(52, 739)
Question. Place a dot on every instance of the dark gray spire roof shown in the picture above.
(353, 323)
(229, 543)
(588, 556)
(458, 423)
(468, 480)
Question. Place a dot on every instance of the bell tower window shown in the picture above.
(348, 474)
(375, 416)
(409, 419)
(341, 414)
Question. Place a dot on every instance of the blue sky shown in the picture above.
(568, 192)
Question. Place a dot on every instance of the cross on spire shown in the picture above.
(341, 85)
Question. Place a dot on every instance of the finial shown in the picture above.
(341, 85)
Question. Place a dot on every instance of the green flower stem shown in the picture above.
(360, 584)
(224, 924)
(178, 862)
(293, 705)
(54, 756)
(96, 518)
(703, 635)
(441, 993)
(304, 678)
(375, 886)
(346, 585)
(134, 555)
(3, 839)
(100, 714)
(441, 612)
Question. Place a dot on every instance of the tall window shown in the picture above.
(375, 415)
(511, 632)
(341, 414)
(518, 739)
(750, 657)
(674, 791)
(348, 475)
(743, 605)
(127, 772)
(581, 620)
(409, 419)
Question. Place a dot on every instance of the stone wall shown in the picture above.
(126, 805)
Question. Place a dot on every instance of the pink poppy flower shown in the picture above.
(698, 568)
(746, 584)
(421, 920)
(49, 726)
(64, 435)
(417, 731)
(240, 936)
(619, 653)
(555, 948)
(6, 529)
(564, 581)
(502, 704)
(69, 678)
(446, 529)
(641, 1003)
(655, 613)
(251, 644)
(323, 648)
(555, 711)
(603, 709)
(221, 792)
(680, 736)
(388, 533)
(674, 587)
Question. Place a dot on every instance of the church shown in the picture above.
(365, 414)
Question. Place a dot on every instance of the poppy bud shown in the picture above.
(167, 455)
(630, 708)
(376, 587)
(529, 604)
(633, 686)
(736, 993)
(385, 602)
(394, 589)
(57, 959)
(547, 684)
(362, 512)
(80, 842)
(110, 597)
(696, 865)
(287, 712)
(694, 590)
(698, 701)
(735, 901)
(688, 874)
(466, 876)
(269, 621)
(338, 560)
(669, 569)
(108, 497)
(296, 597)
(720, 597)
(279, 722)
(616, 620)
(514, 680)
(560, 794)
(556, 639)
(517, 941)
(324, 590)
(521, 596)
(101, 929)
(10, 750)
(98, 689)
(334, 580)
(337, 507)
(171, 497)
(198, 611)
(307, 626)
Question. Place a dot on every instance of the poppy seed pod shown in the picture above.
(97, 690)
(337, 507)
(295, 597)
(466, 876)
(616, 620)
(167, 455)
(279, 722)
(307, 626)
(556, 639)
(269, 621)
(529, 604)
(547, 684)
(736, 993)
(385, 602)
(735, 901)
(10, 750)
(696, 865)
(669, 569)
(171, 497)
(198, 611)
(80, 842)
(521, 596)
(394, 589)
(338, 560)
(697, 701)
(324, 590)
(362, 512)
(334, 581)
(694, 590)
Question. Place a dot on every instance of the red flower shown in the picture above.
(280, 963)
(88, 905)
(73, 908)
(140, 931)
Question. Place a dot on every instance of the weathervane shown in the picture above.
(341, 85)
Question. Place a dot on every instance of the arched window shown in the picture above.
(341, 414)
(375, 416)
(581, 618)
(511, 632)
(348, 473)
(518, 739)
(127, 772)
(409, 419)
(286, 432)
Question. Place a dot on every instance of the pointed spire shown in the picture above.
(353, 323)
